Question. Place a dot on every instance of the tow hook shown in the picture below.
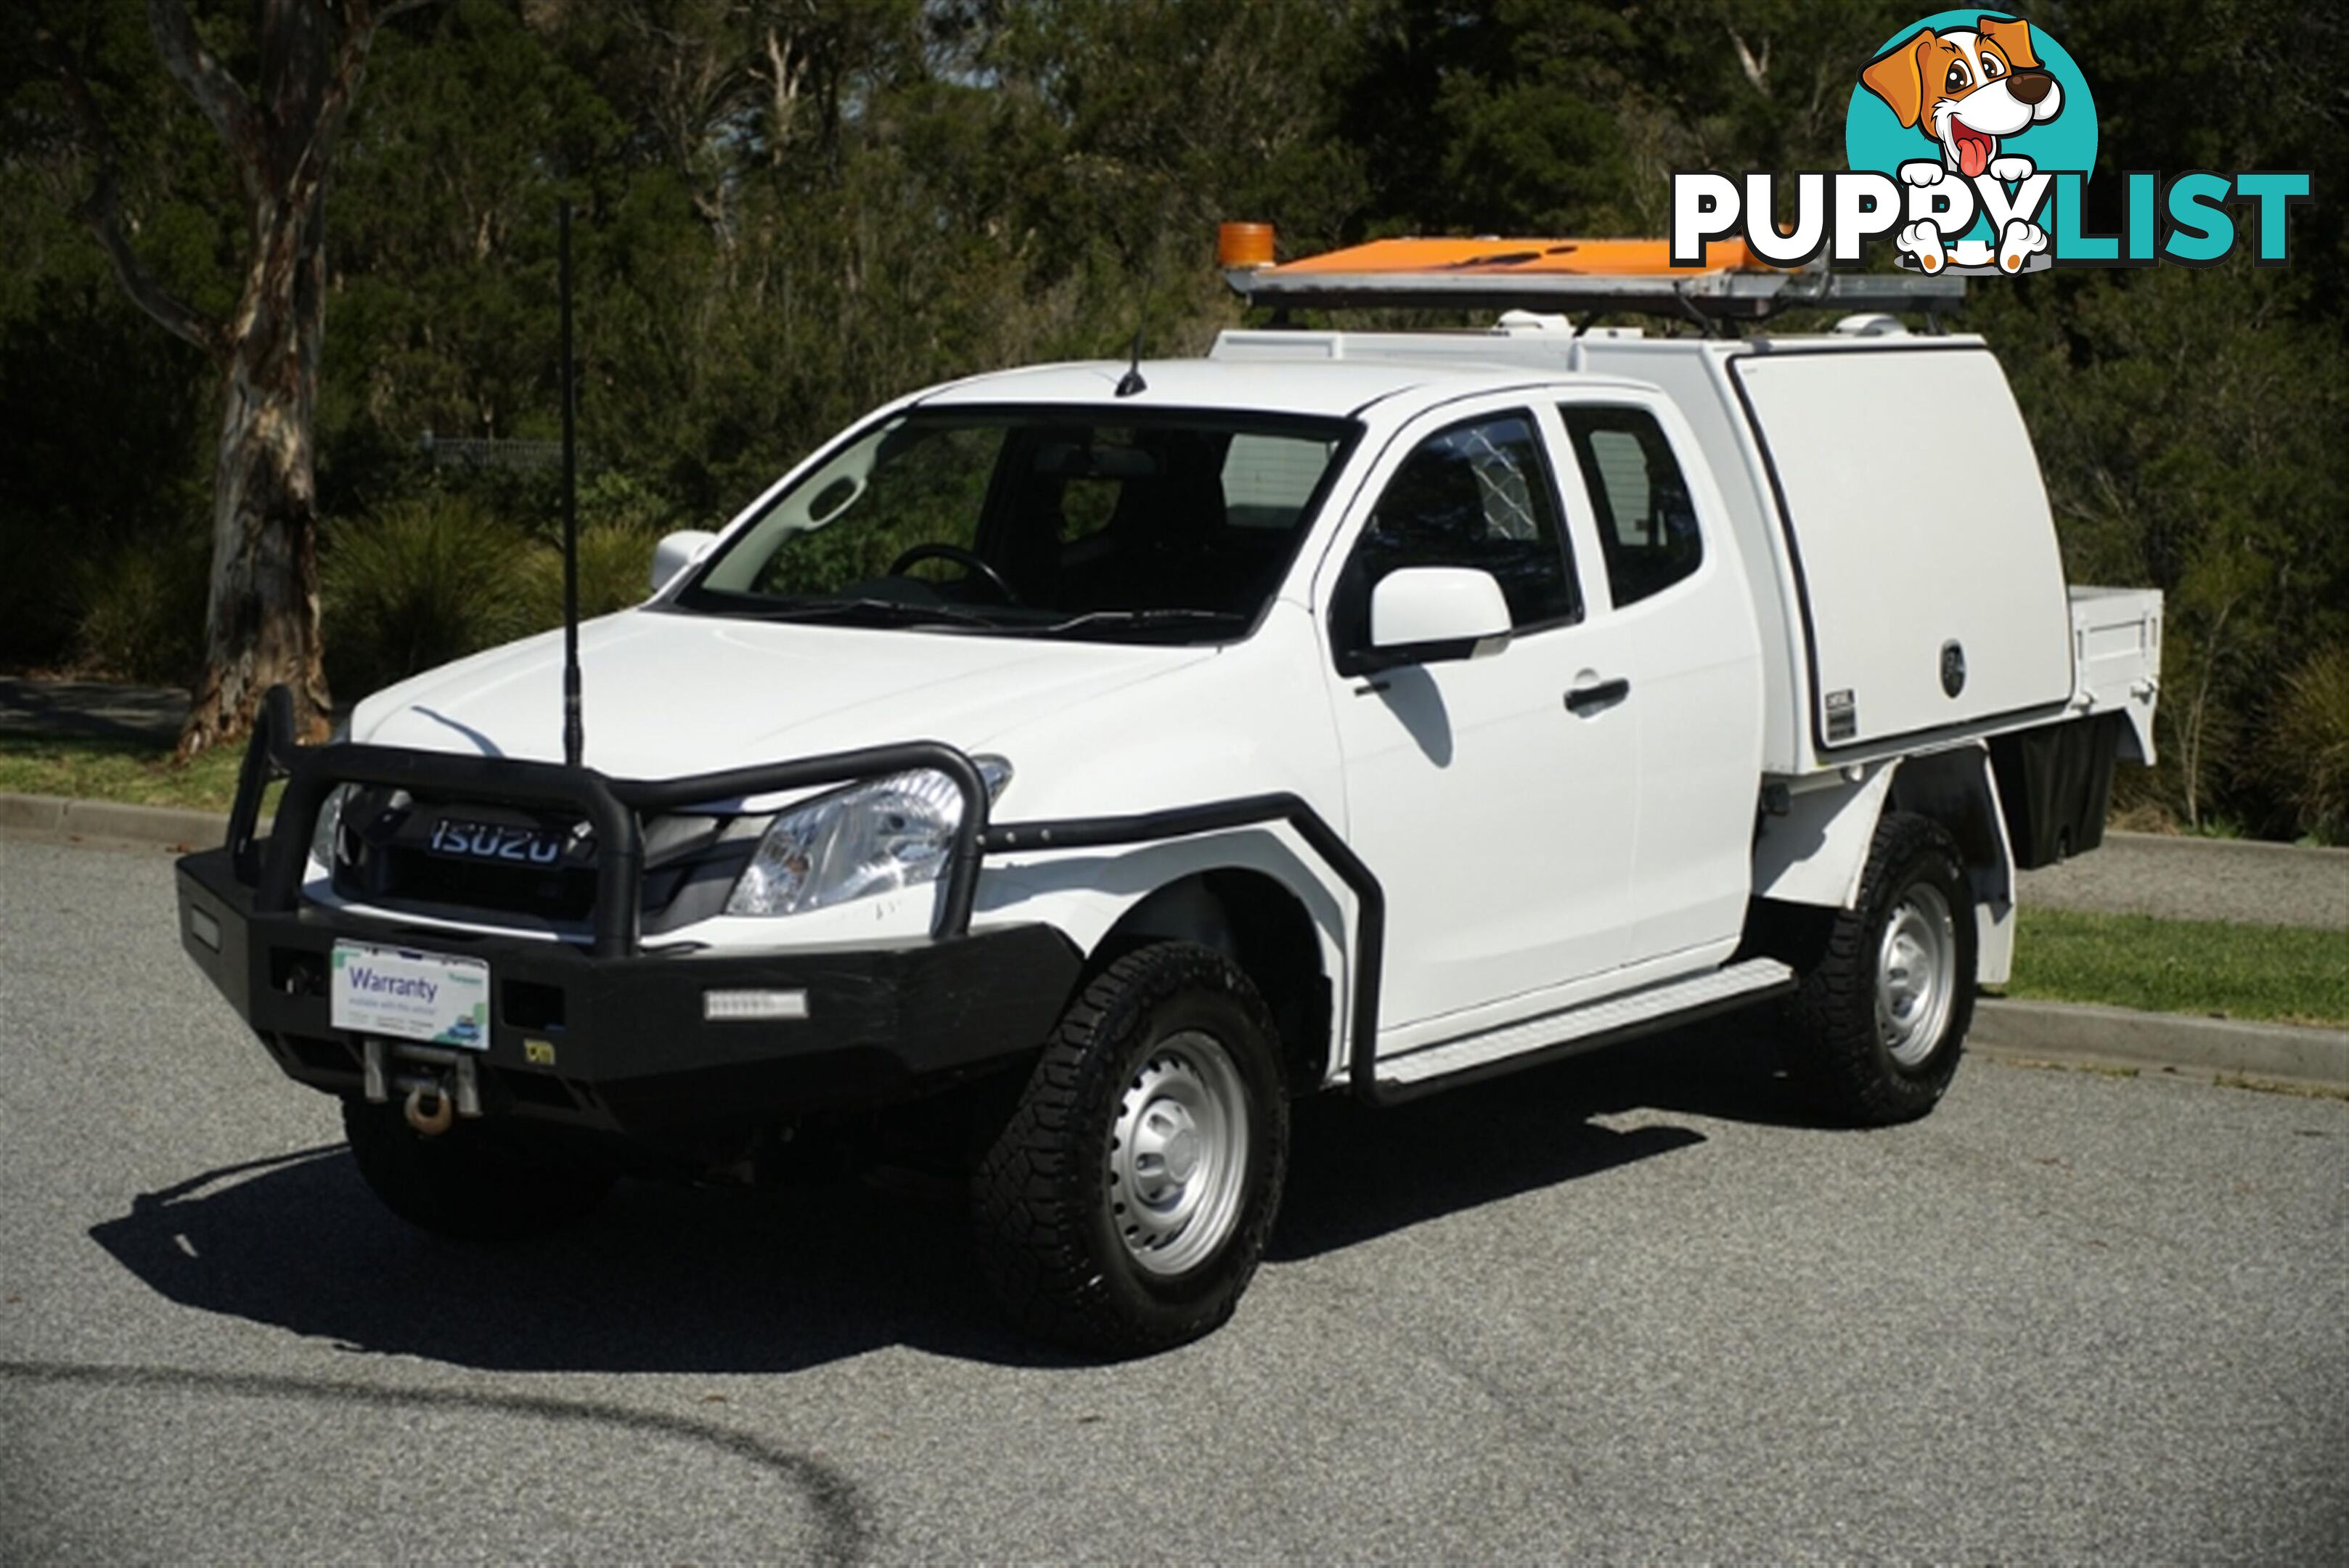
(448, 1082)
(432, 1123)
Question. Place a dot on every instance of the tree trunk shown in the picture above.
(261, 623)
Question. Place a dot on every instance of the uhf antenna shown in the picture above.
(1132, 381)
(574, 732)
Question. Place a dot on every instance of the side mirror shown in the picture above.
(1428, 615)
(677, 552)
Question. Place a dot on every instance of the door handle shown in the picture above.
(1591, 699)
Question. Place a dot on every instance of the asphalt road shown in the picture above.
(2180, 879)
(1631, 1308)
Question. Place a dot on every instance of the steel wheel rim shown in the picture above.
(1916, 975)
(1178, 1155)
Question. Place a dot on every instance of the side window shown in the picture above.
(1647, 524)
(1477, 494)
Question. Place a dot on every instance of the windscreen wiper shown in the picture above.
(1177, 615)
(897, 610)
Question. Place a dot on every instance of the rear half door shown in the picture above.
(1683, 635)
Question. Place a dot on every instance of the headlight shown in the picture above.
(876, 837)
(330, 811)
(330, 824)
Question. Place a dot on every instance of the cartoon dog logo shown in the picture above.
(1965, 88)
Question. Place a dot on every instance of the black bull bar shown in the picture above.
(274, 867)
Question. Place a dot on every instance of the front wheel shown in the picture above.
(1124, 1207)
(1881, 1017)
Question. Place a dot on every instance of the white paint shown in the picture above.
(1816, 851)
(1915, 502)
(1583, 1022)
(1437, 604)
(678, 551)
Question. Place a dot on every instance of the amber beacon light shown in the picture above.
(1243, 245)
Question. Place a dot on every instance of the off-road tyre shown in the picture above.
(1848, 1041)
(475, 1182)
(1072, 1218)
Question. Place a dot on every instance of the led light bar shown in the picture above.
(752, 1006)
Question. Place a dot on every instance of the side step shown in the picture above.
(1579, 1029)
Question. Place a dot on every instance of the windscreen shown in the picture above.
(1037, 522)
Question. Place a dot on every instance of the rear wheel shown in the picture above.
(1124, 1207)
(1881, 1017)
(475, 1182)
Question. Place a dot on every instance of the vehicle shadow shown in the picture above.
(1356, 1174)
(666, 1279)
(658, 1279)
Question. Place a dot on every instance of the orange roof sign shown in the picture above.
(1573, 258)
(1560, 274)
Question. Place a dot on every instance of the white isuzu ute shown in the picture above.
(1063, 769)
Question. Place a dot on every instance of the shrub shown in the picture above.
(417, 583)
(615, 563)
(139, 611)
(620, 521)
(40, 578)
(2307, 743)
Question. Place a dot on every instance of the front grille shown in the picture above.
(413, 875)
(385, 856)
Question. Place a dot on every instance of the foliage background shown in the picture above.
(793, 209)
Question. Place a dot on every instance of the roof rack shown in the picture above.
(1579, 274)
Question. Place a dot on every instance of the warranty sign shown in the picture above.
(411, 995)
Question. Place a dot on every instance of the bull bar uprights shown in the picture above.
(612, 807)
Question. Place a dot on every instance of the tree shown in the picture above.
(261, 612)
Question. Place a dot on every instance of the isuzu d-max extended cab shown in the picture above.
(1063, 769)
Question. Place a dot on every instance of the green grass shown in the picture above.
(2280, 974)
(129, 771)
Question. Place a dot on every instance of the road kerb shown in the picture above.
(162, 827)
(2223, 1047)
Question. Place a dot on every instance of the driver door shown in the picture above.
(1494, 797)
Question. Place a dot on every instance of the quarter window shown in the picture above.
(1647, 524)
